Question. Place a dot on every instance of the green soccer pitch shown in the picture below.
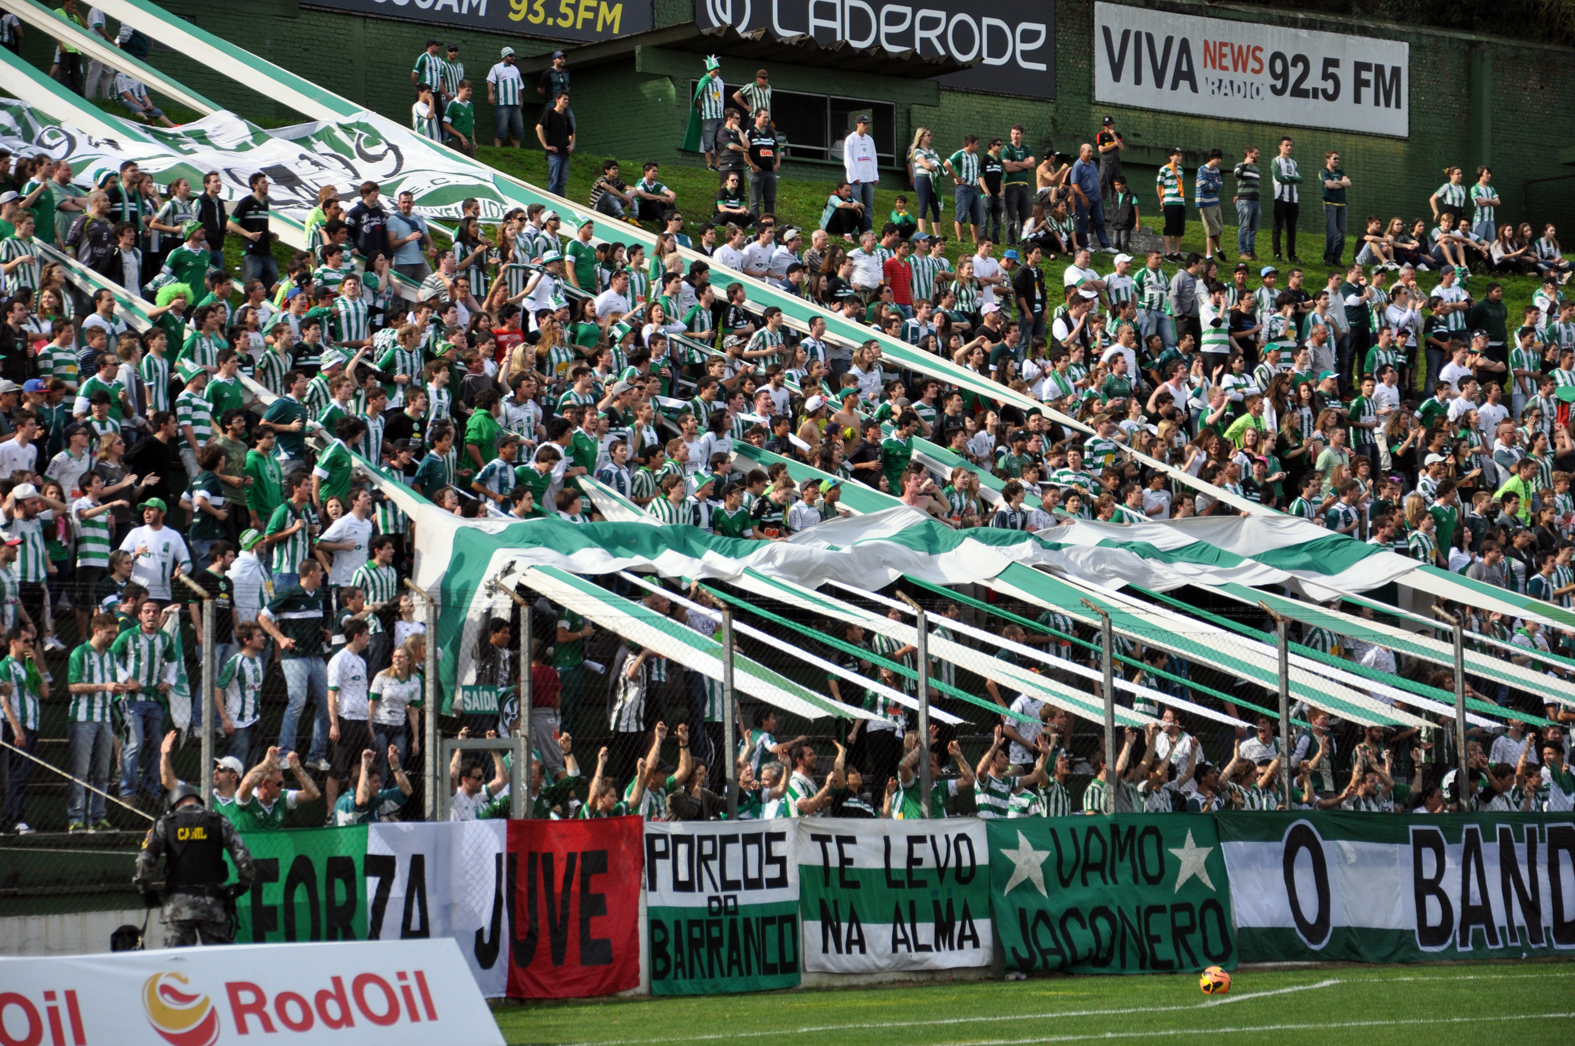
(1522, 1003)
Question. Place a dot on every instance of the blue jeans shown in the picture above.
(1247, 212)
(198, 707)
(864, 193)
(15, 772)
(139, 756)
(1333, 233)
(1153, 321)
(259, 267)
(240, 745)
(385, 734)
(558, 173)
(1093, 214)
(968, 207)
(92, 747)
(305, 677)
(508, 121)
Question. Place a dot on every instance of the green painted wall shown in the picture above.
(1472, 99)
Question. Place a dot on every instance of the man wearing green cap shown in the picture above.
(188, 263)
(157, 551)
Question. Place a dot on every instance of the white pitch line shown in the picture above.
(995, 1018)
(1257, 1029)
(1225, 1000)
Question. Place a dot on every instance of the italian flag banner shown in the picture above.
(881, 896)
(1367, 888)
(1131, 893)
(722, 906)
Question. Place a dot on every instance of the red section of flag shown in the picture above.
(575, 888)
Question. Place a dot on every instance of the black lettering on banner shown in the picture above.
(967, 930)
(1430, 936)
(683, 864)
(891, 884)
(1117, 59)
(1475, 908)
(416, 922)
(383, 868)
(777, 862)
(657, 847)
(1104, 952)
(302, 875)
(265, 917)
(1314, 932)
(1212, 908)
(844, 940)
(747, 843)
(1157, 64)
(845, 861)
(594, 951)
(1181, 929)
(713, 947)
(1561, 851)
(969, 866)
(1066, 934)
(1093, 834)
(344, 901)
(661, 962)
(487, 945)
(941, 857)
(1132, 930)
(523, 949)
(1520, 891)
(1123, 840)
(915, 861)
(705, 856)
(557, 914)
(1386, 90)
(1153, 938)
(1064, 877)
(1151, 833)
(945, 923)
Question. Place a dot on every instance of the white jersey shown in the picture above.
(348, 560)
(154, 556)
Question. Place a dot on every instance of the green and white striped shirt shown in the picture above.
(92, 534)
(25, 274)
(25, 679)
(1482, 212)
(1169, 178)
(1451, 195)
(922, 280)
(1153, 289)
(87, 665)
(429, 69)
(965, 165)
(146, 659)
(288, 554)
(507, 83)
(32, 558)
(241, 680)
(711, 95)
(992, 795)
(155, 371)
(351, 320)
(379, 584)
(191, 409)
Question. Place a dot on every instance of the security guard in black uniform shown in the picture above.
(193, 840)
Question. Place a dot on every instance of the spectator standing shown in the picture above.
(1109, 144)
(459, 119)
(505, 91)
(1248, 210)
(555, 131)
(992, 190)
(710, 105)
(429, 67)
(409, 239)
(763, 159)
(68, 60)
(22, 687)
(368, 222)
(1028, 287)
(756, 95)
(453, 73)
(1018, 163)
(1086, 191)
(860, 164)
(297, 619)
(250, 222)
(1334, 183)
(148, 665)
(93, 683)
(732, 147)
(1172, 203)
(1206, 194)
(1484, 198)
(1287, 178)
(349, 712)
(963, 165)
(554, 80)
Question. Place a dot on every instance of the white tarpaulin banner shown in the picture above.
(1248, 71)
(443, 879)
(398, 993)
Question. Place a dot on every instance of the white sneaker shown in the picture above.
(322, 765)
(23, 829)
(53, 644)
(1423, 267)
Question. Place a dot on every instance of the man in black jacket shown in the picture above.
(213, 216)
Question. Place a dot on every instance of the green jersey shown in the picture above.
(147, 660)
(88, 665)
(25, 681)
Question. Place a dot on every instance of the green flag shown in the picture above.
(1132, 893)
(310, 886)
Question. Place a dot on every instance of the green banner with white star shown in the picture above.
(1132, 893)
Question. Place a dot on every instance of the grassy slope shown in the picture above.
(799, 202)
(1375, 1005)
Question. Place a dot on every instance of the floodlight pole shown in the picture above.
(1107, 649)
(1282, 634)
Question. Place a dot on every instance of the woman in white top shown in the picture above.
(395, 704)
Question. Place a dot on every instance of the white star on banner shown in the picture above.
(1026, 866)
(1192, 858)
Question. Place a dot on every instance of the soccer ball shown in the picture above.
(1214, 981)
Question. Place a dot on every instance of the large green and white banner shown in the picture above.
(310, 886)
(1132, 893)
(879, 896)
(1371, 888)
(722, 906)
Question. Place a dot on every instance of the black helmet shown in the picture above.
(183, 791)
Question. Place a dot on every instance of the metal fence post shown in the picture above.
(926, 777)
(729, 714)
(520, 805)
(432, 702)
(1107, 653)
(207, 675)
(1283, 637)
(1464, 763)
